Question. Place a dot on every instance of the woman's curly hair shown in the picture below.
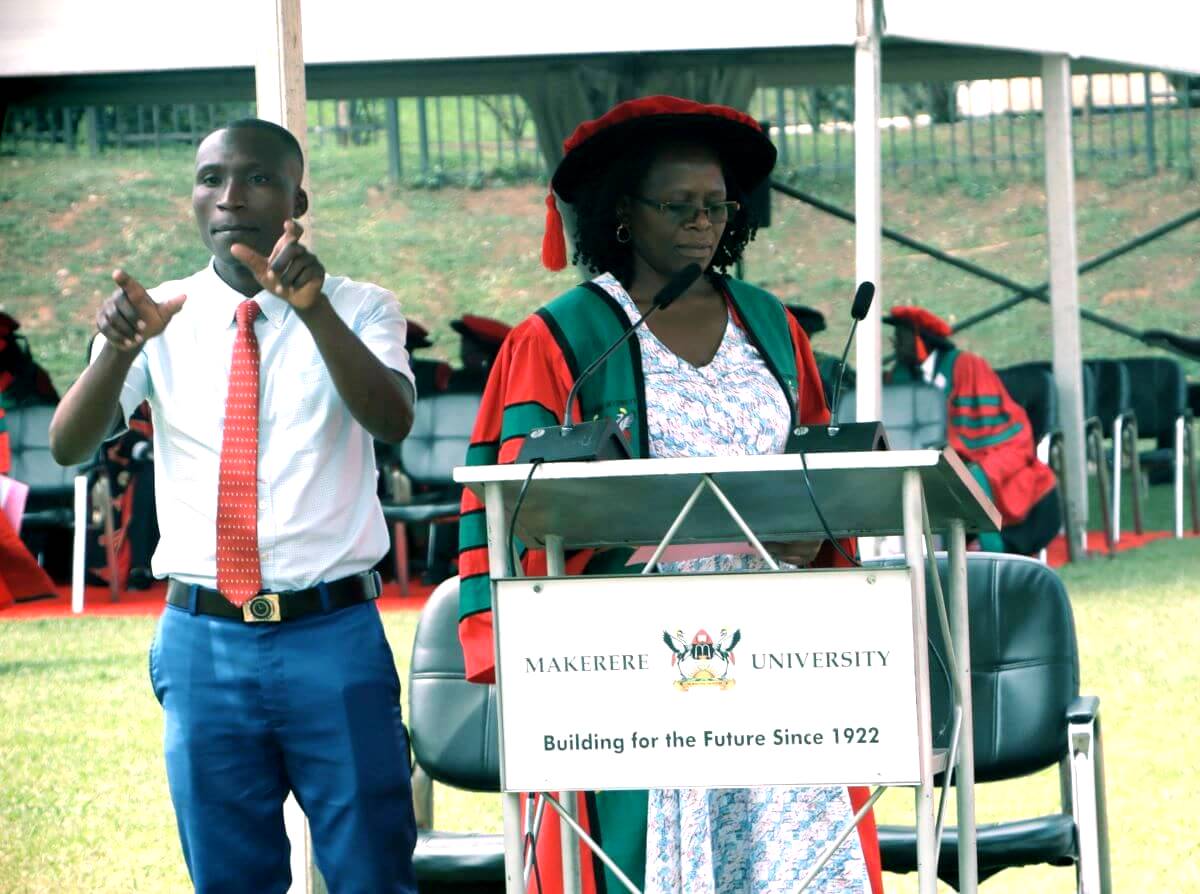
(595, 207)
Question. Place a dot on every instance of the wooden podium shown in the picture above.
(660, 503)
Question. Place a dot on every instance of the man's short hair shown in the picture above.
(285, 136)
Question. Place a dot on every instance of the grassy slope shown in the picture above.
(65, 223)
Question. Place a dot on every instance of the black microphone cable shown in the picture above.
(821, 516)
(510, 547)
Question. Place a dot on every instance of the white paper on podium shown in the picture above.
(819, 688)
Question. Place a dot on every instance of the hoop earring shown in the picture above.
(623, 234)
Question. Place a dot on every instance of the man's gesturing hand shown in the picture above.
(292, 272)
(130, 317)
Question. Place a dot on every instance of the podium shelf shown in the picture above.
(632, 502)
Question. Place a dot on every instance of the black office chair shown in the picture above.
(438, 442)
(1112, 403)
(1028, 715)
(1159, 398)
(914, 414)
(455, 740)
(1031, 385)
(1093, 434)
(51, 501)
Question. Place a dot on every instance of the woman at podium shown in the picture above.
(655, 185)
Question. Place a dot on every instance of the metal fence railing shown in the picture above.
(420, 140)
(955, 129)
(985, 127)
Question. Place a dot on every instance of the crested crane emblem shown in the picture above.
(703, 661)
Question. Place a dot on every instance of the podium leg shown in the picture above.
(914, 530)
(964, 774)
(556, 567)
(514, 876)
(572, 881)
(497, 529)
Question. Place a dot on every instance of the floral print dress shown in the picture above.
(729, 841)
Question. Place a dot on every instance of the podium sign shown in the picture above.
(680, 681)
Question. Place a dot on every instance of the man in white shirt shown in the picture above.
(267, 380)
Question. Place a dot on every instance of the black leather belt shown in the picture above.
(283, 606)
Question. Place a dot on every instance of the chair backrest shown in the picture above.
(1032, 386)
(1158, 393)
(1110, 395)
(29, 441)
(1024, 665)
(453, 723)
(914, 414)
(440, 436)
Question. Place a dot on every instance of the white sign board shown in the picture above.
(682, 681)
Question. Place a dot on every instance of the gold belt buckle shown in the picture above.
(263, 608)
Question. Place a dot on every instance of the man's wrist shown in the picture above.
(317, 312)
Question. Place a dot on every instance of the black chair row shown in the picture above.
(1125, 400)
(1028, 716)
(51, 501)
(424, 464)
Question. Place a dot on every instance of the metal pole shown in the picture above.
(91, 117)
(1064, 283)
(497, 531)
(1148, 98)
(924, 793)
(441, 139)
(393, 139)
(781, 123)
(556, 567)
(868, 207)
(423, 135)
(968, 867)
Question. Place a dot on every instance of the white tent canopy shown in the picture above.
(923, 38)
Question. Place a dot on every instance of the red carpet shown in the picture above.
(1056, 553)
(96, 603)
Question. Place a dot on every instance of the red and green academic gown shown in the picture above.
(992, 434)
(528, 388)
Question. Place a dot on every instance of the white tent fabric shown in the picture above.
(52, 37)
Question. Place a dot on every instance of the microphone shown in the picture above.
(862, 303)
(600, 438)
(853, 435)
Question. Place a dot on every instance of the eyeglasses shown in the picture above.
(685, 212)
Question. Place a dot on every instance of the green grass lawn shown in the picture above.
(84, 804)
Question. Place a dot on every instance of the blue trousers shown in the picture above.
(254, 711)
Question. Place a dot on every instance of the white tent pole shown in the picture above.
(281, 97)
(868, 208)
(279, 86)
(1064, 284)
(868, 217)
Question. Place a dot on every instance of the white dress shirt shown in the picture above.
(318, 514)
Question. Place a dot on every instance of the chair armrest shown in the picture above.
(1085, 758)
(1084, 709)
(416, 513)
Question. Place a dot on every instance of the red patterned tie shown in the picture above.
(238, 573)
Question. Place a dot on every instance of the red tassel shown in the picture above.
(554, 242)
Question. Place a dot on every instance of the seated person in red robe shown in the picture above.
(481, 340)
(432, 375)
(985, 426)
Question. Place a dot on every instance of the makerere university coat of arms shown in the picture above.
(702, 662)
